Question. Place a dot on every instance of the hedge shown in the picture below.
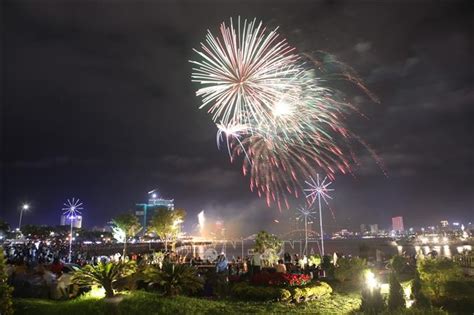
(246, 291)
(309, 292)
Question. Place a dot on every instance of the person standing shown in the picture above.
(222, 264)
(256, 263)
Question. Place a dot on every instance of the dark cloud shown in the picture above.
(98, 103)
(363, 47)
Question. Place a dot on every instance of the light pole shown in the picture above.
(71, 211)
(306, 212)
(24, 207)
(319, 189)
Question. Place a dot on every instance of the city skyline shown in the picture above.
(103, 109)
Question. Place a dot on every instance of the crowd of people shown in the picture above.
(47, 265)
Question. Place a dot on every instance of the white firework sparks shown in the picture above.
(245, 71)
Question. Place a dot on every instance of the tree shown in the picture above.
(103, 274)
(127, 225)
(166, 224)
(36, 231)
(174, 279)
(4, 226)
(265, 241)
(437, 272)
(396, 300)
(349, 268)
(267, 246)
(372, 301)
(6, 305)
(417, 294)
(398, 263)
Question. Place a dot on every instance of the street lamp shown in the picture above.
(370, 280)
(24, 207)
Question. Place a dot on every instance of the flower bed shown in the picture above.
(280, 279)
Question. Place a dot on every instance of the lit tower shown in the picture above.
(71, 211)
(305, 213)
(316, 190)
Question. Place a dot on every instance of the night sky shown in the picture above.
(97, 104)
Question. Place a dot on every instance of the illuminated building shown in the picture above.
(397, 224)
(374, 229)
(145, 211)
(76, 222)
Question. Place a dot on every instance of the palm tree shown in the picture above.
(129, 225)
(174, 279)
(103, 274)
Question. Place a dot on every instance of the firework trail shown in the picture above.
(276, 108)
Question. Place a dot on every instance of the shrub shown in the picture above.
(372, 301)
(436, 272)
(459, 289)
(398, 263)
(396, 300)
(349, 269)
(6, 306)
(103, 274)
(174, 279)
(314, 291)
(314, 260)
(246, 291)
(417, 294)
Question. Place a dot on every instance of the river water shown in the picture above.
(355, 247)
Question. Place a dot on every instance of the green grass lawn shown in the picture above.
(141, 303)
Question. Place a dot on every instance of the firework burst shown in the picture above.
(276, 108)
(244, 72)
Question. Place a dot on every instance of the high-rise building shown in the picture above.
(76, 222)
(145, 211)
(374, 229)
(397, 224)
(363, 229)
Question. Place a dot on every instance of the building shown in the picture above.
(374, 229)
(145, 211)
(76, 222)
(397, 224)
(363, 229)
